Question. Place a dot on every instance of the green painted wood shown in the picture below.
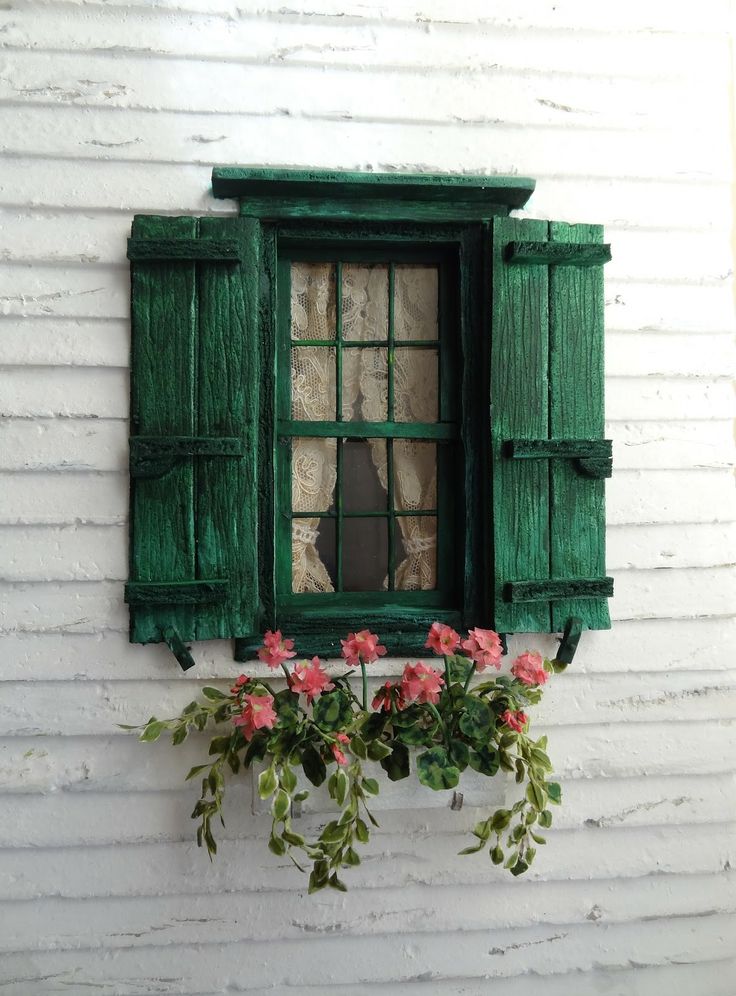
(178, 648)
(558, 589)
(176, 593)
(519, 409)
(164, 326)
(591, 457)
(154, 456)
(228, 404)
(577, 508)
(280, 184)
(558, 254)
(220, 250)
(570, 638)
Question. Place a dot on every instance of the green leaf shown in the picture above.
(362, 832)
(554, 792)
(373, 727)
(333, 833)
(482, 830)
(152, 732)
(473, 849)
(352, 857)
(377, 750)
(267, 783)
(459, 754)
(180, 735)
(332, 711)
(218, 745)
(500, 820)
(537, 837)
(293, 838)
(287, 778)
(193, 772)
(301, 796)
(540, 758)
(276, 844)
(281, 805)
(358, 747)
(213, 694)
(497, 855)
(370, 785)
(484, 761)
(316, 883)
(436, 771)
(396, 765)
(476, 719)
(341, 786)
(519, 868)
(313, 765)
(335, 883)
(545, 818)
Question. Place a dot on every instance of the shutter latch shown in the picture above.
(592, 457)
(154, 456)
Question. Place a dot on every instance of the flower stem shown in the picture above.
(448, 671)
(365, 686)
(471, 672)
(286, 671)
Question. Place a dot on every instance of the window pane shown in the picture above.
(312, 301)
(364, 475)
(313, 383)
(416, 538)
(365, 384)
(313, 474)
(364, 302)
(415, 302)
(416, 385)
(312, 555)
(364, 554)
(415, 475)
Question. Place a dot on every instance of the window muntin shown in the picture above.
(367, 428)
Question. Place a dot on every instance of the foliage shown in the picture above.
(317, 727)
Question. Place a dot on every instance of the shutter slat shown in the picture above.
(228, 405)
(220, 250)
(164, 327)
(577, 513)
(519, 410)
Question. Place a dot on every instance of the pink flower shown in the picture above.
(310, 680)
(258, 713)
(421, 683)
(342, 738)
(362, 648)
(484, 647)
(240, 683)
(275, 649)
(442, 639)
(516, 720)
(384, 695)
(529, 669)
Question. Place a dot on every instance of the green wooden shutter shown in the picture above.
(548, 455)
(194, 404)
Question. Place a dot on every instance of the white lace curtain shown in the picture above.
(364, 397)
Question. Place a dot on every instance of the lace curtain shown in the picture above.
(364, 397)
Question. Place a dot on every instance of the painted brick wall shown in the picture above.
(624, 114)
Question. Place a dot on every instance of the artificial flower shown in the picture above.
(362, 648)
(258, 713)
(385, 695)
(310, 679)
(529, 669)
(421, 683)
(484, 647)
(442, 639)
(275, 649)
(516, 720)
(342, 738)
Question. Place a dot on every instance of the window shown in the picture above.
(365, 400)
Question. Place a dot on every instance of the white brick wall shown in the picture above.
(624, 114)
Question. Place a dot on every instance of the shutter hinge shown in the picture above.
(592, 457)
(183, 250)
(556, 589)
(154, 456)
(557, 253)
(569, 642)
(178, 648)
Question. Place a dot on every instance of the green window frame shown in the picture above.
(520, 501)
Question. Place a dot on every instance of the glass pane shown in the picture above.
(313, 383)
(312, 301)
(365, 385)
(416, 385)
(312, 555)
(364, 302)
(364, 475)
(415, 542)
(313, 474)
(415, 302)
(364, 554)
(415, 475)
